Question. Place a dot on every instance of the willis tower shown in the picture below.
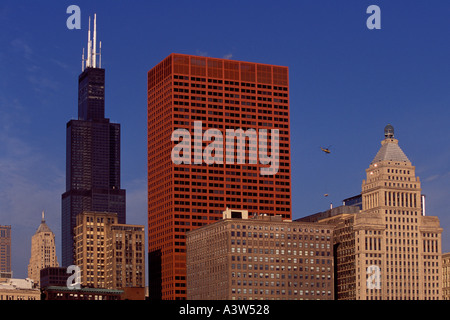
(92, 153)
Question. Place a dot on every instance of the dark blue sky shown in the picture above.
(346, 84)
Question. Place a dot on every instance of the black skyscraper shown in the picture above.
(92, 158)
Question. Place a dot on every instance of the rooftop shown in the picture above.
(390, 149)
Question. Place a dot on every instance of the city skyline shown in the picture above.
(346, 84)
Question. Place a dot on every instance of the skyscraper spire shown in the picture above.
(94, 45)
(93, 150)
(91, 58)
(89, 46)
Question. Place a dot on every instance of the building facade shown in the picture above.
(263, 257)
(203, 98)
(54, 276)
(125, 262)
(18, 289)
(64, 293)
(110, 255)
(5, 252)
(92, 159)
(390, 250)
(43, 251)
(90, 246)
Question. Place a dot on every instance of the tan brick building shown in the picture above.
(125, 257)
(446, 276)
(110, 255)
(263, 257)
(18, 289)
(43, 251)
(5, 252)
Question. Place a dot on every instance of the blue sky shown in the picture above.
(346, 84)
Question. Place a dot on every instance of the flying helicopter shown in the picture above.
(326, 150)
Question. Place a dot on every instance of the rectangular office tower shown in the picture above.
(92, 158)
(218, 137)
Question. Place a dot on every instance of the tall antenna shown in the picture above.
(94, 50)
(82, 61)
(91, 58)
(89, 53)
(100, 56)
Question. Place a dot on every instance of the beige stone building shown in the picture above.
(446, 276)
(110, 255)
(43, 251)
(390, 250)
(18, 289)
(263, 257)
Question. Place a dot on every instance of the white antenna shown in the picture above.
(89, 53)
(100, 56)
(94, 50)
(91, 58)
(82, 61)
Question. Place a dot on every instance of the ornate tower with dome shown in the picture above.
(389, 250)
(404, 245)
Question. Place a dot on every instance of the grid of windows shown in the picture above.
(260, 259)
(5, 251)
(110, 255)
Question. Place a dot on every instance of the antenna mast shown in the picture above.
(89, 53)
(82, 61)
(94, 50)
(91, 58)
(100, 55)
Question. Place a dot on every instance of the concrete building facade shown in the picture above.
(110, 255)
(263, 257)
(446, 276)
(18, 289)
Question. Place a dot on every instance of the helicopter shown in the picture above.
(326, 150)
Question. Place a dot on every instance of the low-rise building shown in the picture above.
(18, 289)
(262, 257)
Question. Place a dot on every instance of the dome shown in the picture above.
(43, 227)
(390, 150)
(389, 131)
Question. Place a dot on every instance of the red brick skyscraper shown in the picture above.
(187, 91)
